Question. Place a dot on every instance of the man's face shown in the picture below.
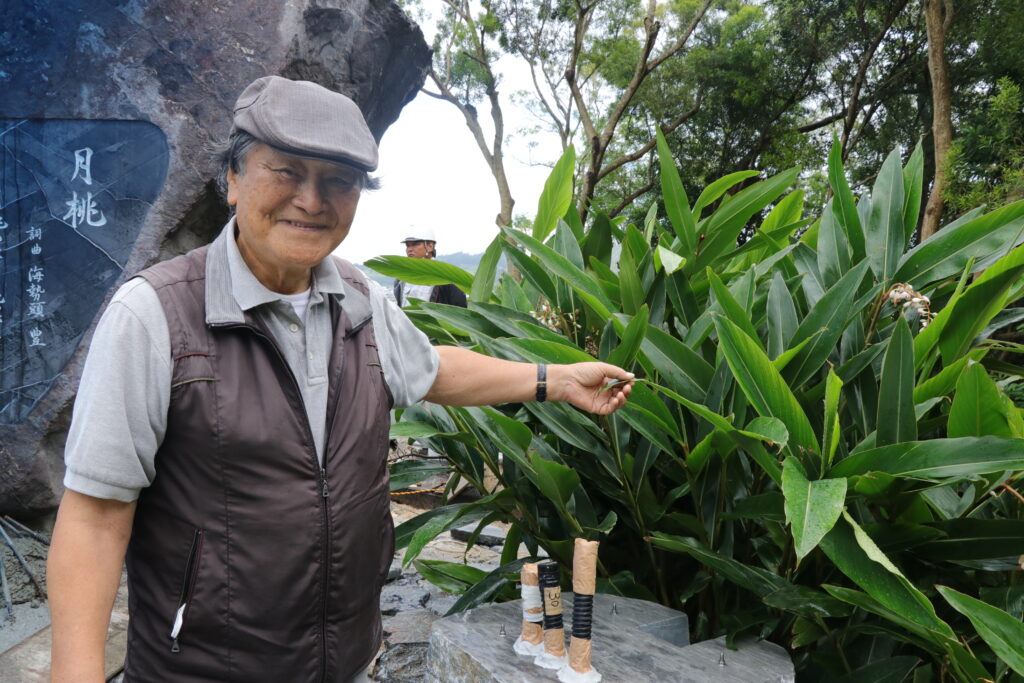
(291, 214)
(419, 249)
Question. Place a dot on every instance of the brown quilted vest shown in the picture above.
(271, 565)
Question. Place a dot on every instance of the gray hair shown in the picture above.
(231, 157)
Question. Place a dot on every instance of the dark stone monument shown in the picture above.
(109, 114)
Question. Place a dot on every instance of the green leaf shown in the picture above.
(421, 271)
(844, 206)
(630, 286)
(812, 507)
(913, 182)
(668, 260)
(884, 236)
(833, 249)
(483, 279)
(763, 385)
(830, 313)
(561, 267)
(677, 206)
(729, 306)
(975, 539)
(781, 314)
(758, 581)
(857, 556)
(896, 421)
(408, 472)
(980, 408)
(556, 196)
(888, 670)
(945, 380)
(556, 481)
(1003, 633)
(680, 367)
(980, 302)
(488, 587)
(632, 337)
(937, 459)
(948, 251)
(421, 430)
(449, 576)
(832, 427)
(532, 272)
(723, 226)
(544, 351)
(716, 189)
(806, 602)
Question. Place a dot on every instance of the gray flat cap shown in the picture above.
(306, 119)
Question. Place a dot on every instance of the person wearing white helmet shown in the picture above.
(421, 244)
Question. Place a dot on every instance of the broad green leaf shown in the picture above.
(832, 426)
(555, 480)
(943, 382)
(682, 369)
(730, 307)
(420, 530)
(785, 214)
(532, 272)
(632, 337)
(980, 302)
(806, 602)
(767, 429)
(543, 351)
(937, 459)
(763, 386)
(833, 249)
(556, 196)
(561, 267)
(812, 507)
(509, 435)
(421, 271)
(1003, 633)
(483, 279)
(449, 576)
(485, 590)
(716, 189)
(980, 408)
(911, 632)
(884, 236)
(830, 313)
(723, 226)
(407, 472)
(945, 253)
(420, 430)
(677, 206)
(781, 314)
(597, 243)
(975, 539)
(913, 183)
(754, 579)
(857, 556)
(844, 205)
(888, 670)
(668, 260)
(463, 320)
(630, 286)
(896, 421)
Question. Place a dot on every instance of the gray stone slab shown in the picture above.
(409, 627)
(491, 535)
(469, 647)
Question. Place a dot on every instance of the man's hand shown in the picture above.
(598, 388)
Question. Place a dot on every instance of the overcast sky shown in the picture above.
(433, 175)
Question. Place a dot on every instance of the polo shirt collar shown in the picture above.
(232, 289)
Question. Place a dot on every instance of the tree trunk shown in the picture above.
(938, 15)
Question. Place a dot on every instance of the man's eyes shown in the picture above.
(285, 172)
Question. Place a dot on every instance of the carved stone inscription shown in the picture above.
(73, 198)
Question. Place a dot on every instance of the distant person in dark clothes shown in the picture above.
(424, 246)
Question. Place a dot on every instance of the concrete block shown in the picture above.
(409, 627)
(633, 640)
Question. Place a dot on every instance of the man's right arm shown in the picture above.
(83, 572)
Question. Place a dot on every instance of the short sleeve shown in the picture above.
(407, 358)
(120, 412)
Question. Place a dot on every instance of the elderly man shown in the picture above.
(424, 245)
(229, 437)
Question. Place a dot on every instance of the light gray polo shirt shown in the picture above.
(120, 413)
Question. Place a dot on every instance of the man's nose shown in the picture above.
(309, 197)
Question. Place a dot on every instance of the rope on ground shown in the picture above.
(406, 493)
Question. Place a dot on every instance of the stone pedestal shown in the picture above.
(633, 640)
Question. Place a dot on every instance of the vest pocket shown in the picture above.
(188, 583)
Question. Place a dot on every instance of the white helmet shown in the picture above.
(421, 235)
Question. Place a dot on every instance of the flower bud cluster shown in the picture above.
(902, 295)
(553, 320)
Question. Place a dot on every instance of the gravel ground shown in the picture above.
(29, 611)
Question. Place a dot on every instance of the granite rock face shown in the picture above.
(179, 65)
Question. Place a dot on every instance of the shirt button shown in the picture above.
(310, 354)
(293, 327)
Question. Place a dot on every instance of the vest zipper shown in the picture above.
(187, 585)
(325, 492)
